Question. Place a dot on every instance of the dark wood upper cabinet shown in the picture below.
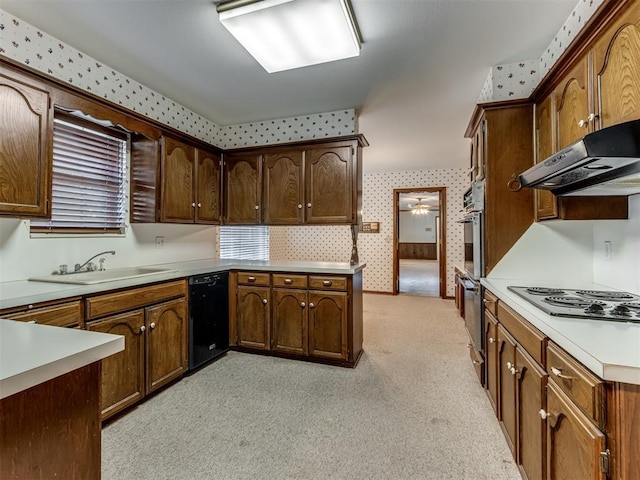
(572, 105)
(26, 137)
(616, 64)
(329, 184)
(545, 201)
(242, 188)
(284, 188)
(177, 192)
(208, 182)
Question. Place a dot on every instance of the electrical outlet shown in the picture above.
(608, 254)
(159, 242)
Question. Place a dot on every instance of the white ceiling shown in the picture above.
(415, 84)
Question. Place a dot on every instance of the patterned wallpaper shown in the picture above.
(333, 243)
(26, 44)
(518, 80)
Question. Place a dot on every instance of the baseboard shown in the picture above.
(377, 293)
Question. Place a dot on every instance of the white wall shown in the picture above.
(418, 228)
(22, 257)
(622, 270)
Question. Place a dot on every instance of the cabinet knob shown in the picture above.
(153, 325)
(469, 345)
(193, 204)
(475, 362)
(491, 340)
(558, 373)
(302, 304)
(592, 117)
(257, 207)
(311, 305)
(509, 365)
(583, 123)
(299, 205)
(543, 414)
(199, 205)
(308, 205)
(30, 306)
(264, 300)
(513, 370)
(143, 328)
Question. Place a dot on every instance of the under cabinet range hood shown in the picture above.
(605, 162)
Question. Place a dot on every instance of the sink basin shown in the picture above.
(90, 278)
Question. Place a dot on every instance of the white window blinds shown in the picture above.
(246, 242)
(89, 163)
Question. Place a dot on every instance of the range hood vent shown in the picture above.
(605, 162)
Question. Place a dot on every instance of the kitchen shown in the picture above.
(577, 251)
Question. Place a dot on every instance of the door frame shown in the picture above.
(442, 245)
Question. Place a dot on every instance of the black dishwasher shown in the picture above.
(208, 317)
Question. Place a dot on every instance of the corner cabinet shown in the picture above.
(296, 184)
(302, 316)
(26, 136)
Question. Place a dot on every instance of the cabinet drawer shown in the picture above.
(585, 389)
(248, 278)
(63, 315)
(327, 283)
(117, 302)
(289, 281)
(490, 302)
(533, 341)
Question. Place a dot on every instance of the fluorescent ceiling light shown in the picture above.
(287, 34)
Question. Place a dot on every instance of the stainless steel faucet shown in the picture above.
(78, 267)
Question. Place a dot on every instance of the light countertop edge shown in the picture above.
(31, 354)
(610, 350)
(24, 292)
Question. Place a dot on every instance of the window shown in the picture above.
(89, 164)
(247, 243)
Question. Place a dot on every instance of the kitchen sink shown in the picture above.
(113, 275)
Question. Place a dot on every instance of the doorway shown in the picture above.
(419, 241)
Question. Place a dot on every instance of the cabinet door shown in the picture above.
(166, 342)
(328, 324)
(616, 60)
(573, 442)
(507, 387)
(284, 188)
(329, 184)
(177, 204)
(572, 105)
(123, 379)
(531, 382)
(491, 342)
(242, 180)
(253, 325)
(26, 137)
(289, 321)
(546, 205)
(208, 183)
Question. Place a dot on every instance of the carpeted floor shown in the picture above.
(411, 409)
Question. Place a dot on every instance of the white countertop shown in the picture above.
(611, 350)
(24, 292)
(31, 354)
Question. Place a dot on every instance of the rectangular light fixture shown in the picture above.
(286, 34)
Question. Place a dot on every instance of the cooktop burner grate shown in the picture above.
(573, 302)
(609, 296)
(545, 291)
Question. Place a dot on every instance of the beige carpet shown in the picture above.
(412, 409)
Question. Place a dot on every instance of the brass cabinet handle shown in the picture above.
(288, 281)
(327, 283)
(251, 279)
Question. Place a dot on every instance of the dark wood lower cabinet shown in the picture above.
(123, 379)
(491, 359)
(530, 393)
(307, 317)
(507, 387)
(289, 321)
(253, 318)
(574, 443)
(328, 324)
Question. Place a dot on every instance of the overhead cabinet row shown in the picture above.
(175, 179)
